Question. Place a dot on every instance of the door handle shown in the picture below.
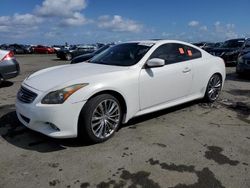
(186, 70)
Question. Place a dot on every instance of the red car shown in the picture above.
(43, 50)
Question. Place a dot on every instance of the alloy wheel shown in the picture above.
(214, 87)
(105, 118)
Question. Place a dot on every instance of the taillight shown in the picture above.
(9, 56)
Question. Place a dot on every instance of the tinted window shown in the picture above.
(174, 53)
(192, 53)
(101, 49)
(121, 55)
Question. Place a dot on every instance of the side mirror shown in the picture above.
(155, 62)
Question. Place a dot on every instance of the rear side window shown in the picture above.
(175, 53)
(192, 53)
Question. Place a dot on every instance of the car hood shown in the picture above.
(54, 77)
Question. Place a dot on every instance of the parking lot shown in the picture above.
(195, 145)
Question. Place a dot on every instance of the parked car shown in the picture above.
(43, 49)
(4, 46)
(243, 65)
(69, 54)
(9, 67)
(245, 48)
(64, 53)
(200, 44)
(130, 79)
(210, 46)
(57, 47)
(88, 56)
(28, 49)
(19, 48)
(229, 50)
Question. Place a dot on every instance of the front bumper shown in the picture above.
(57, 121)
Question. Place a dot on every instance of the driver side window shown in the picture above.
(171, 53)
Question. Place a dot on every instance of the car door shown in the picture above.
(39, 49)
(168, 83)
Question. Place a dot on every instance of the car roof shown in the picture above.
(161, 41)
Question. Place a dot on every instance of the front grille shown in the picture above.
(26, 95)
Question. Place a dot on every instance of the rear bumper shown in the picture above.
(9, 69)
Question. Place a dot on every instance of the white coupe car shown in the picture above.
(94, 98)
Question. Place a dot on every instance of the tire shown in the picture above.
(68, 56)
(100, 118)
(213, 88)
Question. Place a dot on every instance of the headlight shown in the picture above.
(59, 96)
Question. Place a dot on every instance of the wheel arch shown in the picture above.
(211, 75)
(117, 95)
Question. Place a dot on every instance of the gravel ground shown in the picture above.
(195, 145)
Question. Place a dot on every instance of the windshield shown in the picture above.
(126, 54)
(101, 49)
(233, 44)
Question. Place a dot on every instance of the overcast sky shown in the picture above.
(89, 21)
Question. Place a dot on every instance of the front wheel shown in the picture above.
(68, 56)
(100, 118)
(213, 88)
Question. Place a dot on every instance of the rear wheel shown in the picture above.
(100, 118)
(213, 88)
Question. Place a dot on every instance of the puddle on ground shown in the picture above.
(137, 179)
(214, 153)
(206, 178)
